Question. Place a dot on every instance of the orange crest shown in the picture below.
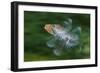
(48, 28)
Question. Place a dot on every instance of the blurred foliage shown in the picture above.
(35, 37)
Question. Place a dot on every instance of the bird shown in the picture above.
(63, 36)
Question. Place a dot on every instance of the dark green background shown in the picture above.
(35, 37)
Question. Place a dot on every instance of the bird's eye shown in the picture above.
(66, 38)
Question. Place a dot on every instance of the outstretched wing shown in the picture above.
(68, 24)
(77, 30)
